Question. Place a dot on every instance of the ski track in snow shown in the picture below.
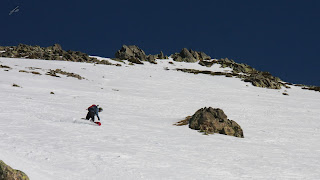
(43, 135)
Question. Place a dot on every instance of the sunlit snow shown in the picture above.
(43, 135)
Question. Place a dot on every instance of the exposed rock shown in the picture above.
(15, 85)
(207, 63)
(52, 73)
(7, 173)
(152, 58)
(59, 71)
(134, 54)
(54, 52)
(237, 67)
(195, 54)
(184, 56)
(194, 71)
(135, 60)
(162, 56)
(4, 66)
(313, 88)
(204, 56)
(249, 74)
(189, 56)
(183, 122)
(35, 72)
(264, 80)
(209, 121)
(133, 51)
(56, 48)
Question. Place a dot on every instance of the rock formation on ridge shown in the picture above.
(135, 55)
(186, 55)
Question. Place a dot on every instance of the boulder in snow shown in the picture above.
(7, 173)
(210, 120)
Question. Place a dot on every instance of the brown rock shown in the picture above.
(189, 56)
(128, 52)
(209, 121)
(7, 173)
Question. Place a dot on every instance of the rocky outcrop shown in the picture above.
(207, 63)
(128, 52)
(135, 55)
(59, 71)
(264, 80)
(194, 71)
(135, 60)
(249, 74)
(54, 52)
(4, 66)
(186, 55)
(312, 88)
(7, 173)
(210, 120)
(237, 67)
(162, 56)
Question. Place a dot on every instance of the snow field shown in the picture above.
(42, 134)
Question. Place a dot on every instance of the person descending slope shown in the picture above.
(94, 110)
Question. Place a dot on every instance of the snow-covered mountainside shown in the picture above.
(42, 134)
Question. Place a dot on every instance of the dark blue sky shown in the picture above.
(279, 36)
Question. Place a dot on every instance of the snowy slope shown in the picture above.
(43, 135)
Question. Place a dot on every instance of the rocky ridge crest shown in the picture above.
(54, 52)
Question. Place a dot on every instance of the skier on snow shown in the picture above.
(93, 111)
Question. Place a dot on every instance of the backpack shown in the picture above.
(91, 107)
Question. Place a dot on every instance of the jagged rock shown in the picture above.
(189, 56)
(57, 48)
(133, 51)
(207, 63)
(195, 54)
(257, 78)
(135, 54)
(313, 88)
(59, 71)
(54, 52)
(162, 56)
(152, 58)
(237, 67)
(7, 173)
(264, 80)
(209, 120)
(183, 56)
(204, 56)
(135, 60)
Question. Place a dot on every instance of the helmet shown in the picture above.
(100, 109)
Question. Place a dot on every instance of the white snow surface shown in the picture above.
(43, 135)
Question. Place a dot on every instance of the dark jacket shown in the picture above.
(95, 110)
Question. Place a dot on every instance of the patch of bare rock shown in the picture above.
(54, 52)
(136, 55)
(210, 121)
(7, 173)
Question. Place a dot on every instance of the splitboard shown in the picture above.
(90, 121)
